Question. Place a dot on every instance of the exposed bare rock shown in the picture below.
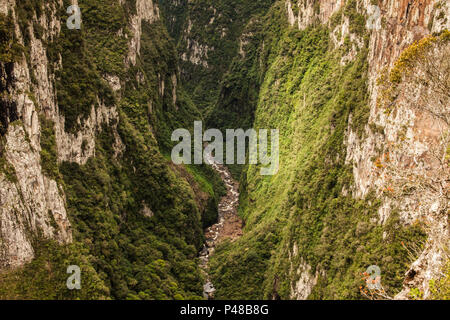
(229, 225)
(196, 53)
(402, 23)
(79, 147)
(300, 270)
(113, 81)
(32, 205)
(408, 135)
(146, 11)
(146, 211)
(310, 11)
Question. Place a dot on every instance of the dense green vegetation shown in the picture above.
(136, 219)
(440, 288)
(307, 94)
(88, 54)
(45, 276)
(174, 14)
(49, 157)
(216, 26)
(132, 251)
(10, 49)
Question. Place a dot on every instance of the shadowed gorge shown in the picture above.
(358, 91)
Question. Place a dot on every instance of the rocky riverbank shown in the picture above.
(229, 225)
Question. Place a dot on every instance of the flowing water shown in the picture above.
(229, 225)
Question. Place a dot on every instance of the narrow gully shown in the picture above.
(229, 225)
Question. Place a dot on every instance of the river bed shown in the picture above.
(228, 226)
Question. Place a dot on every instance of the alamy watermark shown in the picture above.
(74, 21)
(235, 141)
(74, 281)
(373, 280)
(373, 288)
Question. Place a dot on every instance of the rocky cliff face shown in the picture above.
(97, 103)
(393, 142)
(423, 149)
(31, 203)
(361, 106)
(411, 136)
(208, 37)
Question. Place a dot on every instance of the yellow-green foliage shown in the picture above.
(403, 66)
(440, 288)
(413, 54)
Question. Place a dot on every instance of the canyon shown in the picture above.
(86, 175)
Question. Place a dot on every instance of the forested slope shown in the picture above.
(92, 110)
(346, 196)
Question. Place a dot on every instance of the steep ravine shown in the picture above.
(312, 69)
(83, 179)
(228, 226)
(85, 130)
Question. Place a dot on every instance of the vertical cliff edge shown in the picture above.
(85, 171)
(359, 91)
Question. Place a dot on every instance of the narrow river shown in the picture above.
(229, 225)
